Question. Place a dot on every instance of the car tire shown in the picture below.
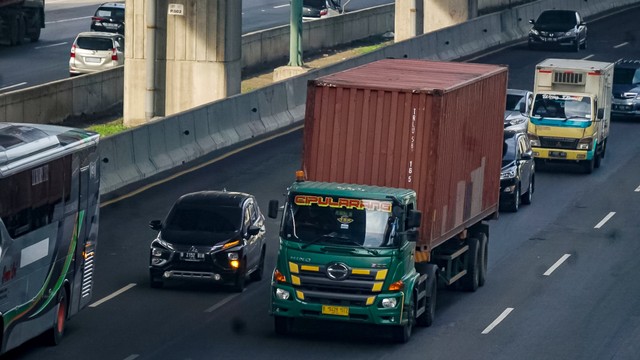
(584, 44)
(282, 324)
(576, 46)
(258, 273)
(515, 202)
(60, 321)
(527, 197)
(241, 277)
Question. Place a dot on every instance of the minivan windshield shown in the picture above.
(566, 107)
(514, 101)
(215, 219)
(339, 221)
(557, 17)
(624, 76)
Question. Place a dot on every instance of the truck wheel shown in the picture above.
(283, 325)
(484, 257)
(60, 321)
(540, 164)
(597, 159)
(402, 334)
(588, 165)
(34, 34)
(257, 274)
(429, 314)
(471, 280)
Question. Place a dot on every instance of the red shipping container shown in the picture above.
(434, 127)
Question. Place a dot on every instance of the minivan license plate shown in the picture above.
(335, 310)
(190, 256)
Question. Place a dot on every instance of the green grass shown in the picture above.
(108, 129)
(370, 48)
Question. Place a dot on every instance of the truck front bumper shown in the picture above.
(563, 154)
(296, 307)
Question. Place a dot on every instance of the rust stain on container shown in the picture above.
(435, 127)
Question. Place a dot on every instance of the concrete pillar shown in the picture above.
(408, 19)
(198, 55)
(439, 14)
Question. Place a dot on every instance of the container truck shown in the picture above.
(400, 171)
(571, 113)
(21, 19)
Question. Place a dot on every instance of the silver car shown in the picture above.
(516, 114)
(96, 51)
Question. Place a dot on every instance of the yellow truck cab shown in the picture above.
(571, 113)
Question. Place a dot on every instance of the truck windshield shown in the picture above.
(562, 107)
(339, 221)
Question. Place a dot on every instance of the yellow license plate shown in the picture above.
(335, 310)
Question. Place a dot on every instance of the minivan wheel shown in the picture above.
(241, 277)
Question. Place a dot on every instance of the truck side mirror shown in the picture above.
(273, 209)
(414, 217)
(412, 235)
(600, 114)
(155, 225)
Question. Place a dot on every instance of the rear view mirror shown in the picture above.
(273, 209)
(155, 225)
(600, 114)
(414, 217)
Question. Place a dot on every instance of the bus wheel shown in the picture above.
(60, 321)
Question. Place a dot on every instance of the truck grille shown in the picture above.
(359, 288)
(568, 78)
(558, 143)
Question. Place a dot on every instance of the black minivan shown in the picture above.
(213, 236)
(109, 17)
(517, 177)
(314, 9)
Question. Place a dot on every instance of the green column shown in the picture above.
(295, 42)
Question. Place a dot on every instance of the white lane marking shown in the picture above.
(588, 57)
(13, 86)
(557, 264)
(68, 20)
(497, 321)
(48, 46)
(280, 6)
(222, 302)
(638, 189)
(621, 45)
(109, 297)
(131, 357)
(603, 221)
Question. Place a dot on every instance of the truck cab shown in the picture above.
(571, 113)
(346, 253)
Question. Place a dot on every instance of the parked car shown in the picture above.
(517, 178)
(315, 9)
(96, 51)
(626, 89)
(109, 17)
(213, 236)
(516, 113)
(558, 28)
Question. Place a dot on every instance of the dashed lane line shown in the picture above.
(604, 221)
(497, 321)
(109, 297)
(557, 264)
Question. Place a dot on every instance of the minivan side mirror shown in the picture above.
(526, 156)
(523, 108)
(273, 209)
(253, 230)
(155, 225)
(600, 114)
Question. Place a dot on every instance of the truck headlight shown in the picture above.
(534, 141)
(282, 294)
(585, 144)
(389, 303)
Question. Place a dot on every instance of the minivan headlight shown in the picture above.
(534, 32)
(508, 173)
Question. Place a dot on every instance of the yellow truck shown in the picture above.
(571, 113)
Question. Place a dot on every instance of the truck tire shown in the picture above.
(34, 34)
(484, 257)
(429, 314)
(588, 165)
(471, 280)
(282, 324)
(402, 334)
(597, 159)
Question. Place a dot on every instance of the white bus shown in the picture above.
(49, 207)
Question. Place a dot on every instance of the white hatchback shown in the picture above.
(96, 51)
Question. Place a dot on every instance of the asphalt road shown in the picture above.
(562, 282)
(48, 60)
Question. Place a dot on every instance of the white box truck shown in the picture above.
(571, 113)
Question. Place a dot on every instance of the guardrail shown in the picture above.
(147, 151)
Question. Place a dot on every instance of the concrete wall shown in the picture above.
(149, 150)
(90, 94)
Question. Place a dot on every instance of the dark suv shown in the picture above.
(558, 28)
(626, 89)
(215, 236)
(517, 178)
(314, 9)
(109, 17)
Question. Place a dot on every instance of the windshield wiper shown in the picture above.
(575, 117)
(360, 246)
(332, 234)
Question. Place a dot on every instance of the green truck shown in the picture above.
(400, 173)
